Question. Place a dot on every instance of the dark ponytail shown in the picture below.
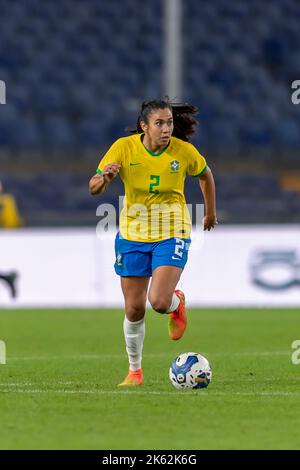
(183, 116)
(184, 121)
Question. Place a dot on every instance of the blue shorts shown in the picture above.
(140, 259)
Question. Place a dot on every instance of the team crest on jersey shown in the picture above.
(174, 165)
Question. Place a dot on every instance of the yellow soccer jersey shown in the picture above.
(154, 203)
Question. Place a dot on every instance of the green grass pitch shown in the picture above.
(58, 388)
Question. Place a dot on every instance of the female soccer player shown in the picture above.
(154, 234)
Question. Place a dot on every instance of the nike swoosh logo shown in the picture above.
(133, 164)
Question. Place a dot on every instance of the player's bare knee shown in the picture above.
(159, 305)
(135, 312)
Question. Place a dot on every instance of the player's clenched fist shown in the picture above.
(110, 171)
(99, 182)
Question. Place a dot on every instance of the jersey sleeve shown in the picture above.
(196, 162)
(113, 155)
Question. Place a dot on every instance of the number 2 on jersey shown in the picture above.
(155, 182)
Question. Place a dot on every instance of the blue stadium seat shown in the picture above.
(90, 132)
(26, 134)
(58, 133)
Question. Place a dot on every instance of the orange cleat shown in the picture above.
(177, 319)
(134, 378)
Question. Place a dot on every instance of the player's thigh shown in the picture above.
(168, 261)
(135, 294)
(163, 284)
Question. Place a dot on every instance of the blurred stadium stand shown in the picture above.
(76, 72)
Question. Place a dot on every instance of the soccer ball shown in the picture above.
(190, 370)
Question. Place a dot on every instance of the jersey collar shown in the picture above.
(149, 151)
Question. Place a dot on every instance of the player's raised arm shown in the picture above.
(207, 185)
(99, 182)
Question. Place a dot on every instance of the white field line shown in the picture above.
(74, 383)
(157, 393)
(150, 355)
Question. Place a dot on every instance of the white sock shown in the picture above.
(134, 333)
(174, 304)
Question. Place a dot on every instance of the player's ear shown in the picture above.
(143, 125)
